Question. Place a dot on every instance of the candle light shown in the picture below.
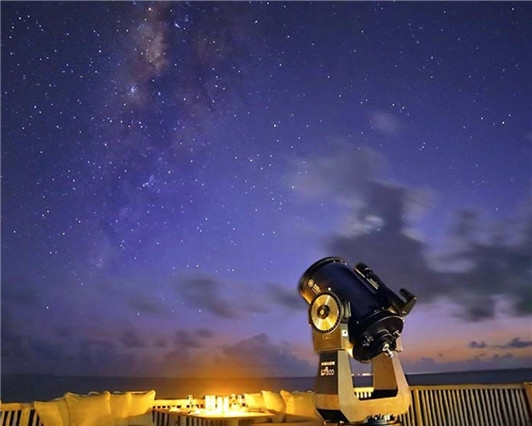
(210, 402)
(226, 403)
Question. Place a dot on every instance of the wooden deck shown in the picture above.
(460, 405)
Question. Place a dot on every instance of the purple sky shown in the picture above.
(170, 170)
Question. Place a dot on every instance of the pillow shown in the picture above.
(52, 413)
(141, 403)
(119, 404)
(275, 405)
(255, 402)
(299, 406)
(89, 410)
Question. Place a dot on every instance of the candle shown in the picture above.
(210, 402)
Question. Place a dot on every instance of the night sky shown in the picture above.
(170, 170)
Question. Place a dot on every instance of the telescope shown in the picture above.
(352, 313)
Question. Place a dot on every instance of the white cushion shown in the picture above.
(52, 413)
(275, 405)
(120, 403)
(141, 403)
(300, 406)
(255, 401)
(89, 410)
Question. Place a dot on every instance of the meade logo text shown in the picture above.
(326, 371)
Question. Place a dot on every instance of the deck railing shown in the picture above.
(449, 405)
(470, 405)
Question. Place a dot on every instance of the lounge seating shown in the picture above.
(136, 409)
(97, 409)
(442, 405)
(288, 408)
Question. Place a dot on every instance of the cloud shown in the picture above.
(128, 353)
(16, 292)
(505, 360)
(496, 259)
(258, 356)
(517, 343)
(480, 265)
(285, 297)
(94, 355)
(344, 176)
(205, 333)
(14, 343)
(147, 304)
(186, 340)
(208, 294)
(26, 353)
(190, 354)
(204, 292)
(385, 122)
(131, 338)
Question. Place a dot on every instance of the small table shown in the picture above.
(229, 417)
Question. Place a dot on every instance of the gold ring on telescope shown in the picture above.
(325, 312)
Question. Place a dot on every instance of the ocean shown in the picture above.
(36, 387)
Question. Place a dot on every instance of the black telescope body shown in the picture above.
(373, 313)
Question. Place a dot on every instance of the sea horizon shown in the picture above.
(27, 387)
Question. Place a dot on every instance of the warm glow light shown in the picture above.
(210, 402)
(222, 404)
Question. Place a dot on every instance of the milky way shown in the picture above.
(169, 170)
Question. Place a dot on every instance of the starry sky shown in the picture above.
(171, 169)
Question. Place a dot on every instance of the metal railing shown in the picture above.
(470, 405)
